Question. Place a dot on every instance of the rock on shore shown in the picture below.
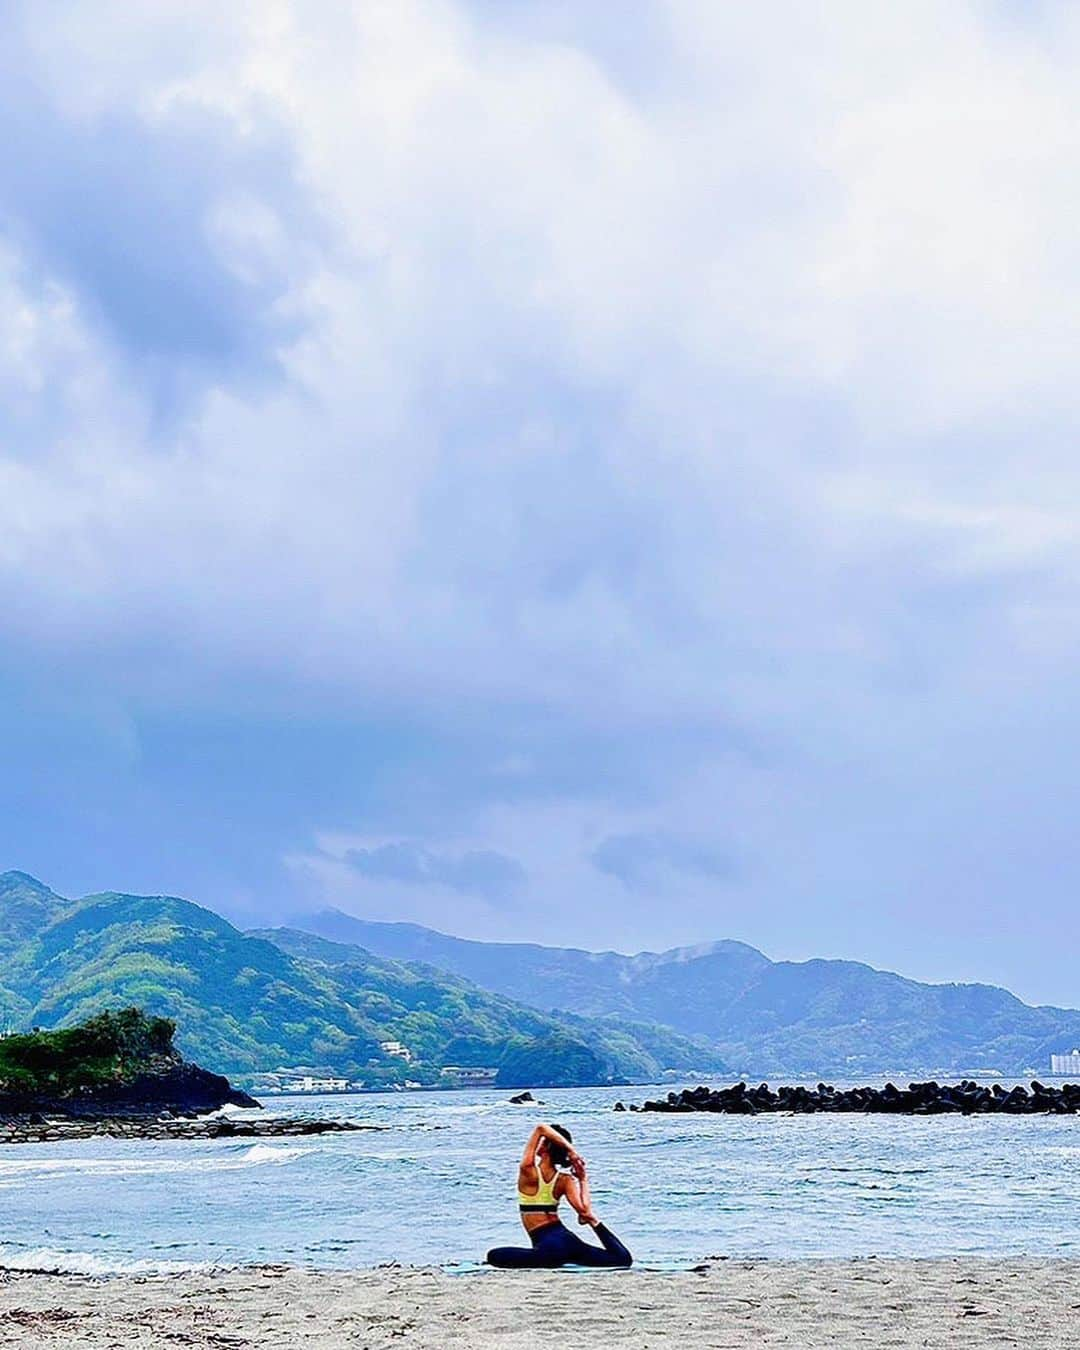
(919, 1099)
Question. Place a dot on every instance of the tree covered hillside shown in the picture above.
(639, 1050)
(244, 1005)
(763, 1017)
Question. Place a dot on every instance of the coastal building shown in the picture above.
(1066, 1064)
(396, 1049)
(460, 1077)
(286, 1082)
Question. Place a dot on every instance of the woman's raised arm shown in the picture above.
(528, 1156)
(581, 1176)
(576, 1190)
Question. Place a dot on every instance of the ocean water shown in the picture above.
(435, 1185)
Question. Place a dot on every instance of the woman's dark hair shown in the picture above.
(559, 1155)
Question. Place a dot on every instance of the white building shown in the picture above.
(1065, 1064)
(461, 1077)
(396, 1049)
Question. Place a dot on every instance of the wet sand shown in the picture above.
(882, 1303)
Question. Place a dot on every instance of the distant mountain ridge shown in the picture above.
(590, 983)
(810, 1017)
(328, 1000)
(246, 1005)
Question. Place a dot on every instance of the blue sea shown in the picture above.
(435, 1185)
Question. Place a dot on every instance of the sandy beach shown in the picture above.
(943, 1302)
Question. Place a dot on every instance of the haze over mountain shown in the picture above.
(763, 1016)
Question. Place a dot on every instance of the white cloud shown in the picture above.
(731, 403)
(863, 213)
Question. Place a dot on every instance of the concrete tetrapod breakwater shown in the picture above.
(919, 1099)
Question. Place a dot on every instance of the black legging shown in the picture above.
(555, 1245)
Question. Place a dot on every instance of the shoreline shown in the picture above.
(738, 1304)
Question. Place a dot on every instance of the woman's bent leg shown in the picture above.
(613, 1255)
(557, 1246)
(545, 1253)
(614, 1250)
(516, 1258)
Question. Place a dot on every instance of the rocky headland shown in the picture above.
(119, 1075)
(174, 1086)
(918, 1099)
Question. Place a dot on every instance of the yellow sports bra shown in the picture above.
(544, 1199)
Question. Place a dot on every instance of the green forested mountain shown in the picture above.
(246, 1005)
(26, 906)
(639, 1049)
(762, 1016)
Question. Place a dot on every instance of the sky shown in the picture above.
(602, 475)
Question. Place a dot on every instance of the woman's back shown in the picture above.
(545, 1198)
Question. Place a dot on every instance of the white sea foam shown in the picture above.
(18, 1170)
(273, 1153)
(470, 1109)
(92, 1263)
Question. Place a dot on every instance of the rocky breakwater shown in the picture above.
(917, 1099)
(38, 1128)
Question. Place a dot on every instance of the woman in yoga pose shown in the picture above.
(541, 1185)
